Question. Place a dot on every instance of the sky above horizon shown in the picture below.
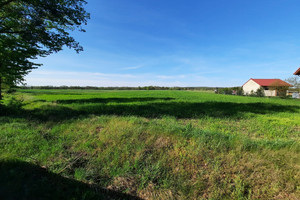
(216, 43)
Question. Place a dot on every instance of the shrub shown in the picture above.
(225, 91)
(11, 90)
(239, 91)
(260, 92)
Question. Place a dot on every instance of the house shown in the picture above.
(272, 87)
(296, 95)
(297, 72)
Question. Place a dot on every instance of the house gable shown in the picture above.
(249, 86)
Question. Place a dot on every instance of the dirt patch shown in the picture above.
(163, 142)
(99, 129)
(150, 193)
(124, 184)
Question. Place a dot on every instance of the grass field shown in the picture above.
(89, 144)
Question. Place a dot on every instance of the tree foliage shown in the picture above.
(280, 89)
(260, 92)
(36, 28)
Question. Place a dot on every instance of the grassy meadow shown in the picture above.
(94, 144)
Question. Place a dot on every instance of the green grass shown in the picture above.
(149, 145)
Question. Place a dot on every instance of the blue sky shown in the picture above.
(179, 43)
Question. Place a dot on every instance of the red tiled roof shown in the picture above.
(297, 72)
(271, 82)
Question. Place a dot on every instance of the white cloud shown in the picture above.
(171, 77)
(132, 68)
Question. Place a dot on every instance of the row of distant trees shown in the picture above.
(119, 88)
(295, 81)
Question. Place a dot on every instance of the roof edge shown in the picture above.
(297, 72)
(247, 82)
(254, 79)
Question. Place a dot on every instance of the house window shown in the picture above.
(266, 88)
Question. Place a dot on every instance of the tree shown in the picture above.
(36, 28)
(260, 92)
(295, 82)
(279, 88)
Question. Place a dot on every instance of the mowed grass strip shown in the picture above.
(150, 144)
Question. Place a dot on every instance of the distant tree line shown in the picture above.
(119, 88)
(218, 90)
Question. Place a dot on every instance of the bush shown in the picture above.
(14, 105)
(11, 90)
(260, 92)
(233, 90)
(240, 92)
(224, 91)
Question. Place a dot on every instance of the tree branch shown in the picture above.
(12, 32)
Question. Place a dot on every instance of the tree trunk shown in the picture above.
(0, 88)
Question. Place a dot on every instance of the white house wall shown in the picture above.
(270, 93)
(250, 86)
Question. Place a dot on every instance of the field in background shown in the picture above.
(88, 144)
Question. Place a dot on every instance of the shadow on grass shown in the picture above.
(62, 110)
(158, 109)
(22, 180)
